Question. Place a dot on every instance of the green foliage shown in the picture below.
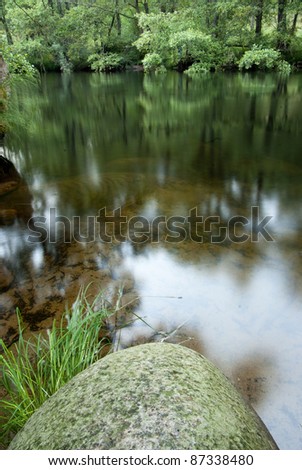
(75, 35)
(37, 368)
(18, 68)
(196, 69)
(155, 36)
(64, 36)
(236, 24)
(152, 62)
(61, 58)
(173, 40)
(107, 62)
(191, 45)
(284, 68)
(263, 59)
(17, 62)
(294, 53)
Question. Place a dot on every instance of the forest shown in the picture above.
(155, 35)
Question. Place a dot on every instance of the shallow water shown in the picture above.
(161, 147)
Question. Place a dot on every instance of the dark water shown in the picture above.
(162, 146)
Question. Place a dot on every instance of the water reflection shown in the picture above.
(161, 146)
(15, 211)
(240, 314)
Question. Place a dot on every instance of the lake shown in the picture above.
(180, 199)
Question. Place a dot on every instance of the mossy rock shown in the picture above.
(152, 396)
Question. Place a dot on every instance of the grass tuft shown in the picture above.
(34, 369)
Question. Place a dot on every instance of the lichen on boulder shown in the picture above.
(152, 396)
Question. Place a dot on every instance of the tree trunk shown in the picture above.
(282, 16)
(146, 7)
(259, 17)
(168, 7)
(3, 69)
(118, 18)
(213, 16)
(111, 25)
(137, 8)
(282, 27)
(60, 7)
(5, 25)
(118, 24)
(294, 24)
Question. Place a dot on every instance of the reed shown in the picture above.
(34, 369)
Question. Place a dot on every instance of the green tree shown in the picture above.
(74, 34)
(4, 22)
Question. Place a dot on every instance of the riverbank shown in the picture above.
(160, 35)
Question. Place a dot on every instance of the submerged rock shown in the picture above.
(6, 277)
(15, 197)
(7, 216)
(152, 396)
(8, 186)
(7, 170)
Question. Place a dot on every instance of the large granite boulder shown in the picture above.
(153, 396)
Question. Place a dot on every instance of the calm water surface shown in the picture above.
(161, 146)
